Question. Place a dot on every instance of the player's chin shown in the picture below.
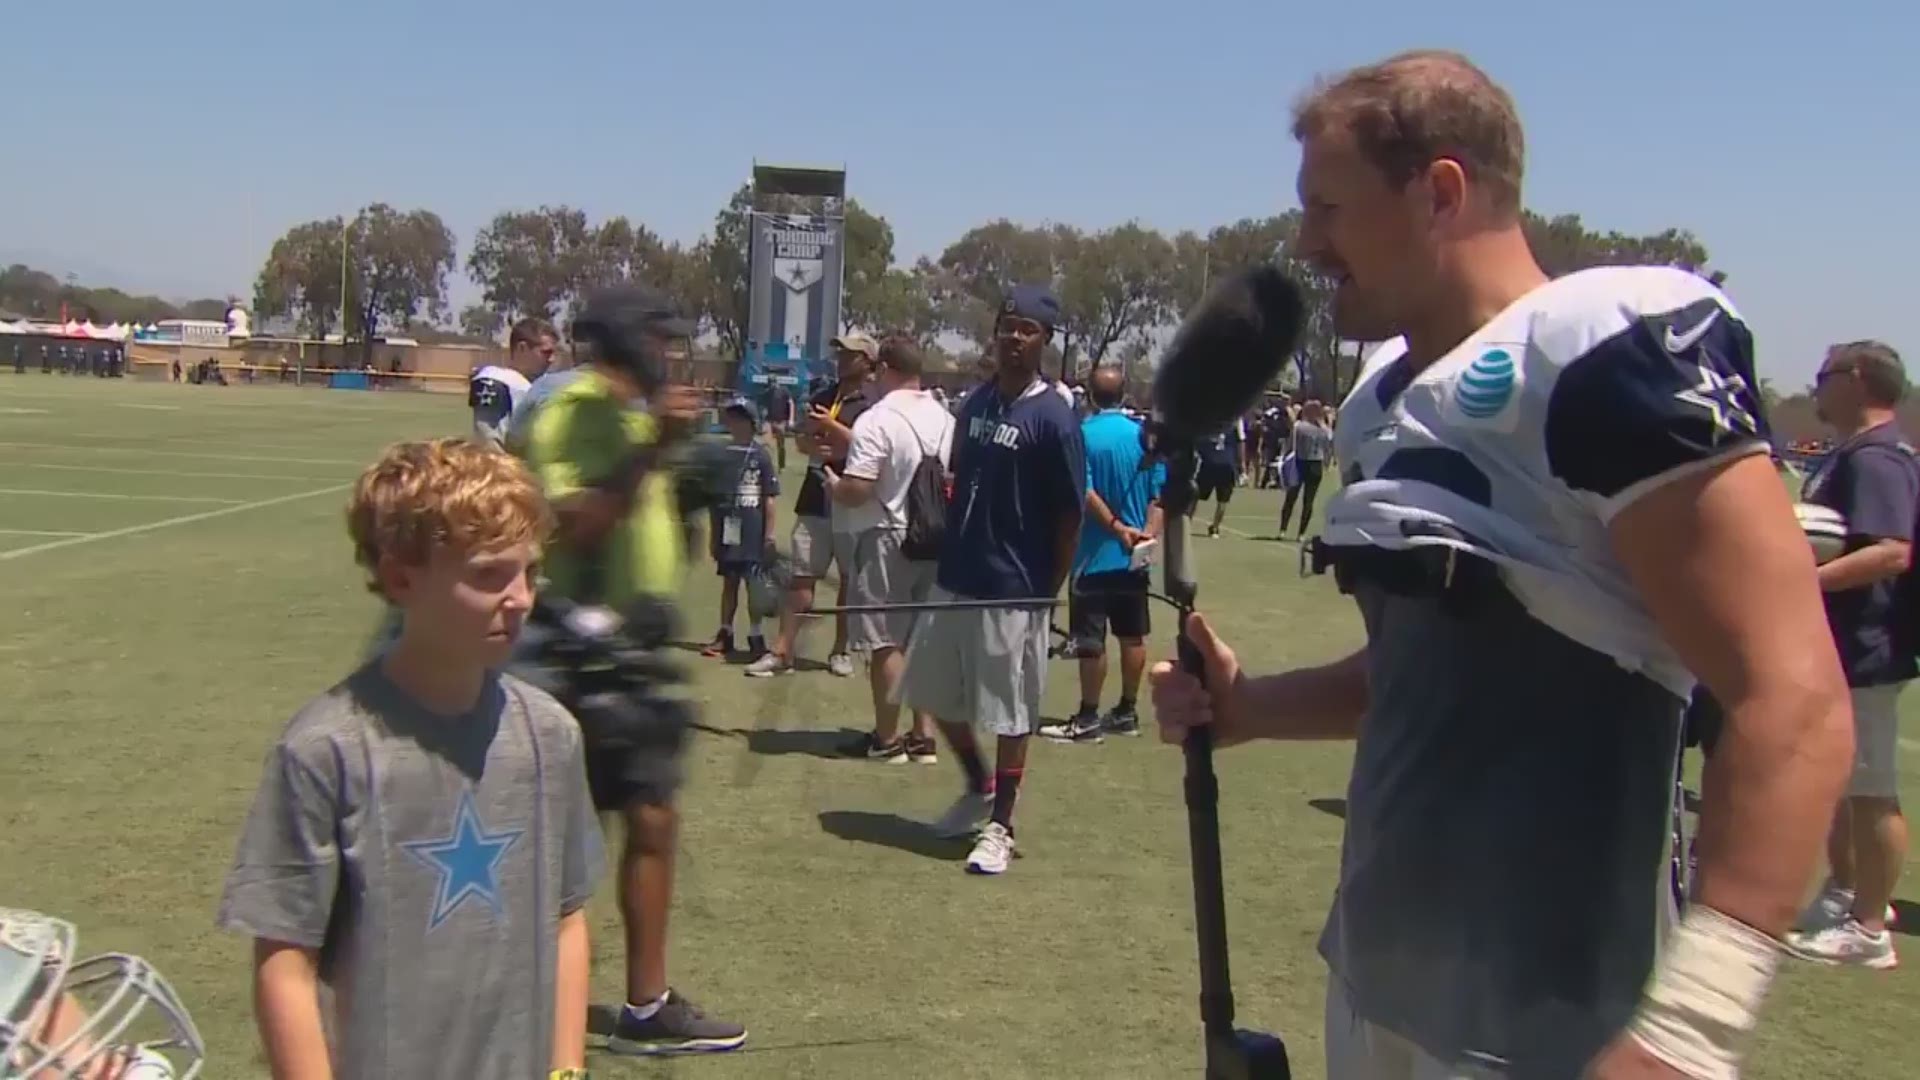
(1355, 320)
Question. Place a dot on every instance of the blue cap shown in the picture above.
(1034, 302)
(744, 407)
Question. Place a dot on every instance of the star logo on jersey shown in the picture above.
(487, 394)
(467, 860)
(1721, 397)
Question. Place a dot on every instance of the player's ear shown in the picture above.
(1446, 188)
(396, 577)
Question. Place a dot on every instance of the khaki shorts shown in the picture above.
(983, 666)
(881, 574)
(1876, 742)
(816, 546)
(1358, 1049)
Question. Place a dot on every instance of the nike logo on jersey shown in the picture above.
(1679, 343)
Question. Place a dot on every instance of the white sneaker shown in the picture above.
(968, 815)
(992, 852)
(1848, 944)
(841, 664)
(768, 666)
(1828, 910)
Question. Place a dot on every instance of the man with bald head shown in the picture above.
(1108, 589)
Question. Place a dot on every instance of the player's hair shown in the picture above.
(1877, 365)
(530, 331)
(902, 354)
(1409, 110)
(448, 492)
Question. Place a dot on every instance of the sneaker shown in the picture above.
(968, 815)
(721, 645)
(1213, 531)
(1828, 910)
(756, 646)
(1083, 726)
(1123, 722)
(922, 751)
(992, 852)
(768, 666)
(1848, 944)
(679, 1027)
(841, 664)
(866, 746)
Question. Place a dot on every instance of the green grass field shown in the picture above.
(177, 581)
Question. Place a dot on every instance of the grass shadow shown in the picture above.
(1331, 807)
(601, 1019)
(894, 831)
(1908, 922)
(776, 742)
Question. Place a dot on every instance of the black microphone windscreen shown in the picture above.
(1228, 349)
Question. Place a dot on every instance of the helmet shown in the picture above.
(65, 1018)
(617, 321)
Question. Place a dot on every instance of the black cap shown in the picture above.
(614, 316)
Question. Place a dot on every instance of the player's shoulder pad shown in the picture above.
(1653, 370)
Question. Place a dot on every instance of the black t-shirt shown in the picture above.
(779, 404)
(1222, 451)
(1872, 481)
(812, 500)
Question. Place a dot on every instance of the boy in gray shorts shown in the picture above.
(1013, 522)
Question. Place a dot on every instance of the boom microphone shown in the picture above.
(1228, 349)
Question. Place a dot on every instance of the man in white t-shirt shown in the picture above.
(906, 426)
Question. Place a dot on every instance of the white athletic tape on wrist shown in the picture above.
(1705, 997)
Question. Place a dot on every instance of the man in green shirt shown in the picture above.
(600, 446)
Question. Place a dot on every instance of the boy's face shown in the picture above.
(739, 427)
(465, 603)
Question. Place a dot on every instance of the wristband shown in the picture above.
(1706, 994)
(567, 1074)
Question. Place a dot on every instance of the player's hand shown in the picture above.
(1129, 536)
(1180, 701)
(819, 414)
(1626, 1058)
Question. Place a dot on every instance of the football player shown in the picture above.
(495, 390)
(1557, 503)
(111, 1017)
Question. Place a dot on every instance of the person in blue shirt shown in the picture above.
(1122, 512)
(1013, 521)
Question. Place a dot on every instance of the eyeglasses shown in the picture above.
(1823, 377)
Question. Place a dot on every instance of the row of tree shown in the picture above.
(1120, 288)
(36, 294)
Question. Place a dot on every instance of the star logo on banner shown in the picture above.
(799, 276)
(1720, 396)
(467, 861)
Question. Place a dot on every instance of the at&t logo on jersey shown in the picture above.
(1485, 389)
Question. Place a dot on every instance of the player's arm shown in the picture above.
(492, 405)
(286, 1007)
(866, 455)
(1878, 501)
(1670, 449)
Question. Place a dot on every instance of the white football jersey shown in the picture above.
(1526, 439)
(492, 394)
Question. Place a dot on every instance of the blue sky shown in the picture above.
(193, 132)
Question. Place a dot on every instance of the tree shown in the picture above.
(301, 278)
(904, 302)
(618, 251)
(527, 262)
(868, 262)
(1563, 244)
(1116, 284)
(990, 258)
(480, 321)
(400, 264)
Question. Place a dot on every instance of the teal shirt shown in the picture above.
(1113, 472)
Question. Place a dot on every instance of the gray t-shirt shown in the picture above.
(1503, 880)
(429, 859)
(1311, 442)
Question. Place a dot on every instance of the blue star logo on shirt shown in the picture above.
(467, 861)
(1720, 395)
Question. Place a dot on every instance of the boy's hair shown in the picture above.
(453, 492)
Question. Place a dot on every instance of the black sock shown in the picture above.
(1006, 787)
(975, 768)
(1125, 706)
(1089, 706)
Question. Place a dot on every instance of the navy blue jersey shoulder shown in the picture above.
(1669, 390)
(1019, 470)
(490, 399)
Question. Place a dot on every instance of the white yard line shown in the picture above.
(39, 532)
(157, 472)
(142, 451)
(165, 523)
(137, 405)
(114, 495)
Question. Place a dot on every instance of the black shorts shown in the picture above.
(1215, 482)
(1117, 597)
(634, 751)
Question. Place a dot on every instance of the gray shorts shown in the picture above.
(816, 546)
(880, 574)
(986, 667)
(1876, 742)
